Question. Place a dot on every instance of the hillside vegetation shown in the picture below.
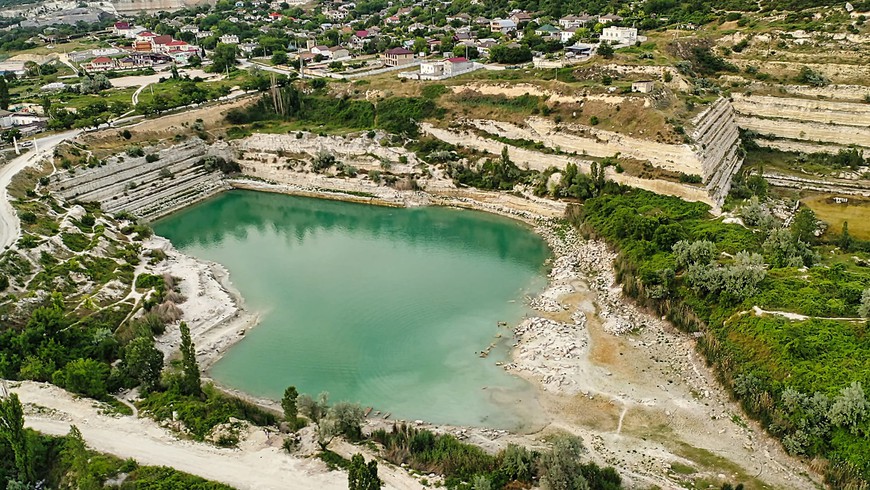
(803, 366)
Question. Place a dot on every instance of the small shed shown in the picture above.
(642, 86)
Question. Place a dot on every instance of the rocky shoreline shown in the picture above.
(553, 350)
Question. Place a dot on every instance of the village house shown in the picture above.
(547, 31)
(619, 35)
(575, 21)
(158, 43)
(121, 28)
(176, 47)
(322, 50)
(335, 15)
(398, 57)
(135, 61)
(10, 119)
(455, 66)
(608, 18)
(520, 18)
(229, 39)
(248, 48)
(567, 35)
(504, 26)
(142, 46)
(338, 52)
(432, 69)
(190, 28)
(101, 63)
(146, 36)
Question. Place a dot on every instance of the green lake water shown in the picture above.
(386, 307)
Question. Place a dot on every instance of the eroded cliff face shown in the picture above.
(714, 154)
(717, 148)
(818, 125)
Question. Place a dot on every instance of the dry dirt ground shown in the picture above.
(260, 463)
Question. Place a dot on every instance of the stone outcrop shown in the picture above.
(146, 189)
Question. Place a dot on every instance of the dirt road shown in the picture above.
(9, 224)
(259, 463)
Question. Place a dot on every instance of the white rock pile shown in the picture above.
(550, 352)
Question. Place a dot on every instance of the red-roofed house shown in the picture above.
(454, 66)
(275, 16)
(120, 28)
(145, 36)
(101, 63)
(158, 42)
(176, 46)
(398, 57)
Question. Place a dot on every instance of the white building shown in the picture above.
(432, 68)
(643, 86)
(229, 39)
(619, 35)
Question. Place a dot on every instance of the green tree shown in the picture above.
(805, 225)
(144, 362)
(12, 431)
(362, 475)
(190, 381)
(845, 240)
(288, 403)
(4, 94)
(84, 376)
(850, 408)
(279, 58)
(561, 468)
(314, 409)
(224, 57)
(347, 418)
(605, 50)
(75, 456)
(94, 84)
(194, 61)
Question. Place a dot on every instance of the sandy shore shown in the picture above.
(214, 310)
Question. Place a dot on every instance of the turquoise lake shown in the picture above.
(382, 306)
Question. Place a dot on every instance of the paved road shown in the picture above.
(9, 224)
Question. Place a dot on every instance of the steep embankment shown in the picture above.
(148, 189)
(717, 142)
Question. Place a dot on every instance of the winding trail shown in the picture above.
(10, 227)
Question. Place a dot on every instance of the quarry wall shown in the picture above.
(146, 189)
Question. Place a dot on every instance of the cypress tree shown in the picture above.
(190, 382)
